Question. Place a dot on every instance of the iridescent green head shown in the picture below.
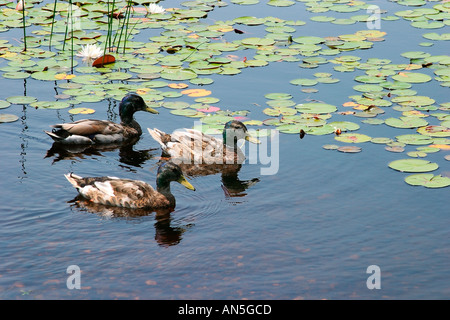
(234, 131)
(168, 172)
(130, 104)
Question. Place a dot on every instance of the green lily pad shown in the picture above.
(21, 99)
(278, 96)
(414, 139)
(434, 131)
(406, 122)
(353, 137)
(4, 117)
(316, 108)
(428, 180)
(4, 104)
(412, 77)
(178, 74)
(381, 140)
(344, 125)
(349, 149)
(254, 41)
(413, 165)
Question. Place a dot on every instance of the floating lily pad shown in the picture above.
(349, 149)
(353, 137)
(21, 99)
(4, 104)
(413, 165)
(434, 131)
(330, 147)
(81, 111)
(428, 180)
(178, 74)
(412, 77)
(414, 139)
(316, 107)
(4, 117)
(406, 122)
(381, 140)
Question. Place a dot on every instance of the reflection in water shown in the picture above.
(233, 187)
(165, 234)
(127, 154)
(231, 184)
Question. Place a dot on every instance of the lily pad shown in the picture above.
(414, 139)
(316, 108)
(413, 165)
(428, 180)
(412, 77)
(4, 117)
(353, 137)
(349, 149)
(21, 99)
(406, 122)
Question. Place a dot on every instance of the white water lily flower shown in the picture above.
(90, 52)
(154, 8)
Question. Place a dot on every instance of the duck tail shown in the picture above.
(73, 179)
(158, 136)
(54, 136)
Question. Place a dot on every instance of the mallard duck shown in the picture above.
(199, 153)
(129, 193)
(89, 131)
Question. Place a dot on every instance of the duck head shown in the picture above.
(130, 104)
(168, 172)
(235, 130)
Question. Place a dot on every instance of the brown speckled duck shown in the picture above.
(90, 131)
(198, 153)
(129, 193)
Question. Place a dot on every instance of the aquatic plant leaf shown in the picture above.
(352, 137)
(21, 99)
(4, 117)
(414, 139)
(81, 111)
(316, 107)
(405, 122)
(412, 77)
(350, 149)
(434, 131)
(103, 60)
(413, 165)
(428, 180)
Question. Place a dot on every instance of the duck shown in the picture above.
(91, 131)
(198, 153)
(128, 193)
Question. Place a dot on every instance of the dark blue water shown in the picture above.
(307, 232)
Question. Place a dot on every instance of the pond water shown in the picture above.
(308, 231)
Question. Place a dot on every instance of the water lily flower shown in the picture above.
(20, 5)
(90, 52)
(154, 8)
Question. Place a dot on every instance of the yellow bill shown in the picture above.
(252, 139)
(182, 180)
(151, 110)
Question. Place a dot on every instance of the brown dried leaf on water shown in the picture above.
(106, 59)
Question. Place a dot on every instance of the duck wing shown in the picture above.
(117, 192)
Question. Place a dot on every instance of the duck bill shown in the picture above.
(151, 110)
(252, 139)
(182, 180)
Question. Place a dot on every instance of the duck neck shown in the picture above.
(163, 187)
(130, 122)
(230, 142)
